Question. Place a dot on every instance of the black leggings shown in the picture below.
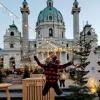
(54, 85)
(62, 83)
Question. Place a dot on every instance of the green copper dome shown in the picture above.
(13, 26)
(50, 13)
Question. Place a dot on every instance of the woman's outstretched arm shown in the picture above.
(38, 62)
(63, 65)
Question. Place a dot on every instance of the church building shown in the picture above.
(50, 36)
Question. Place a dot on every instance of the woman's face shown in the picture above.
(54, 58)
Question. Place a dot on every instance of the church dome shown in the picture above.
(50, 14)
(13, 26)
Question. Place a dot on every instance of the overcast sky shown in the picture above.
(89, 12)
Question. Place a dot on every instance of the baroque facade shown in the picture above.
(50, 36)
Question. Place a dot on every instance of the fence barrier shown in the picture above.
(32, 89)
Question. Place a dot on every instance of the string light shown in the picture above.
(54, 46)
(10, 13)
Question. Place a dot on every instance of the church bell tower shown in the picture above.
(25, 33)
(75, 13)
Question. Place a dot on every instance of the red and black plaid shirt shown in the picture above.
(51, 69)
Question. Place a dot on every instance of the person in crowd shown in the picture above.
(62, 78)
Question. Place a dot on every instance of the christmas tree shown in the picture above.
(80, 91)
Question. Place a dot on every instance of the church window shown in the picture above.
(24, 6)
(67, 56)
(38, 33)
(76, 6)
(35, 45)
(66, 45)
(88, 33)
(50, 18)
(50, 4)
(12, 34)
(62, 34)
(50, 32)
(11, 45)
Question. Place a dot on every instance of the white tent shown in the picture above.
(93, 67)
